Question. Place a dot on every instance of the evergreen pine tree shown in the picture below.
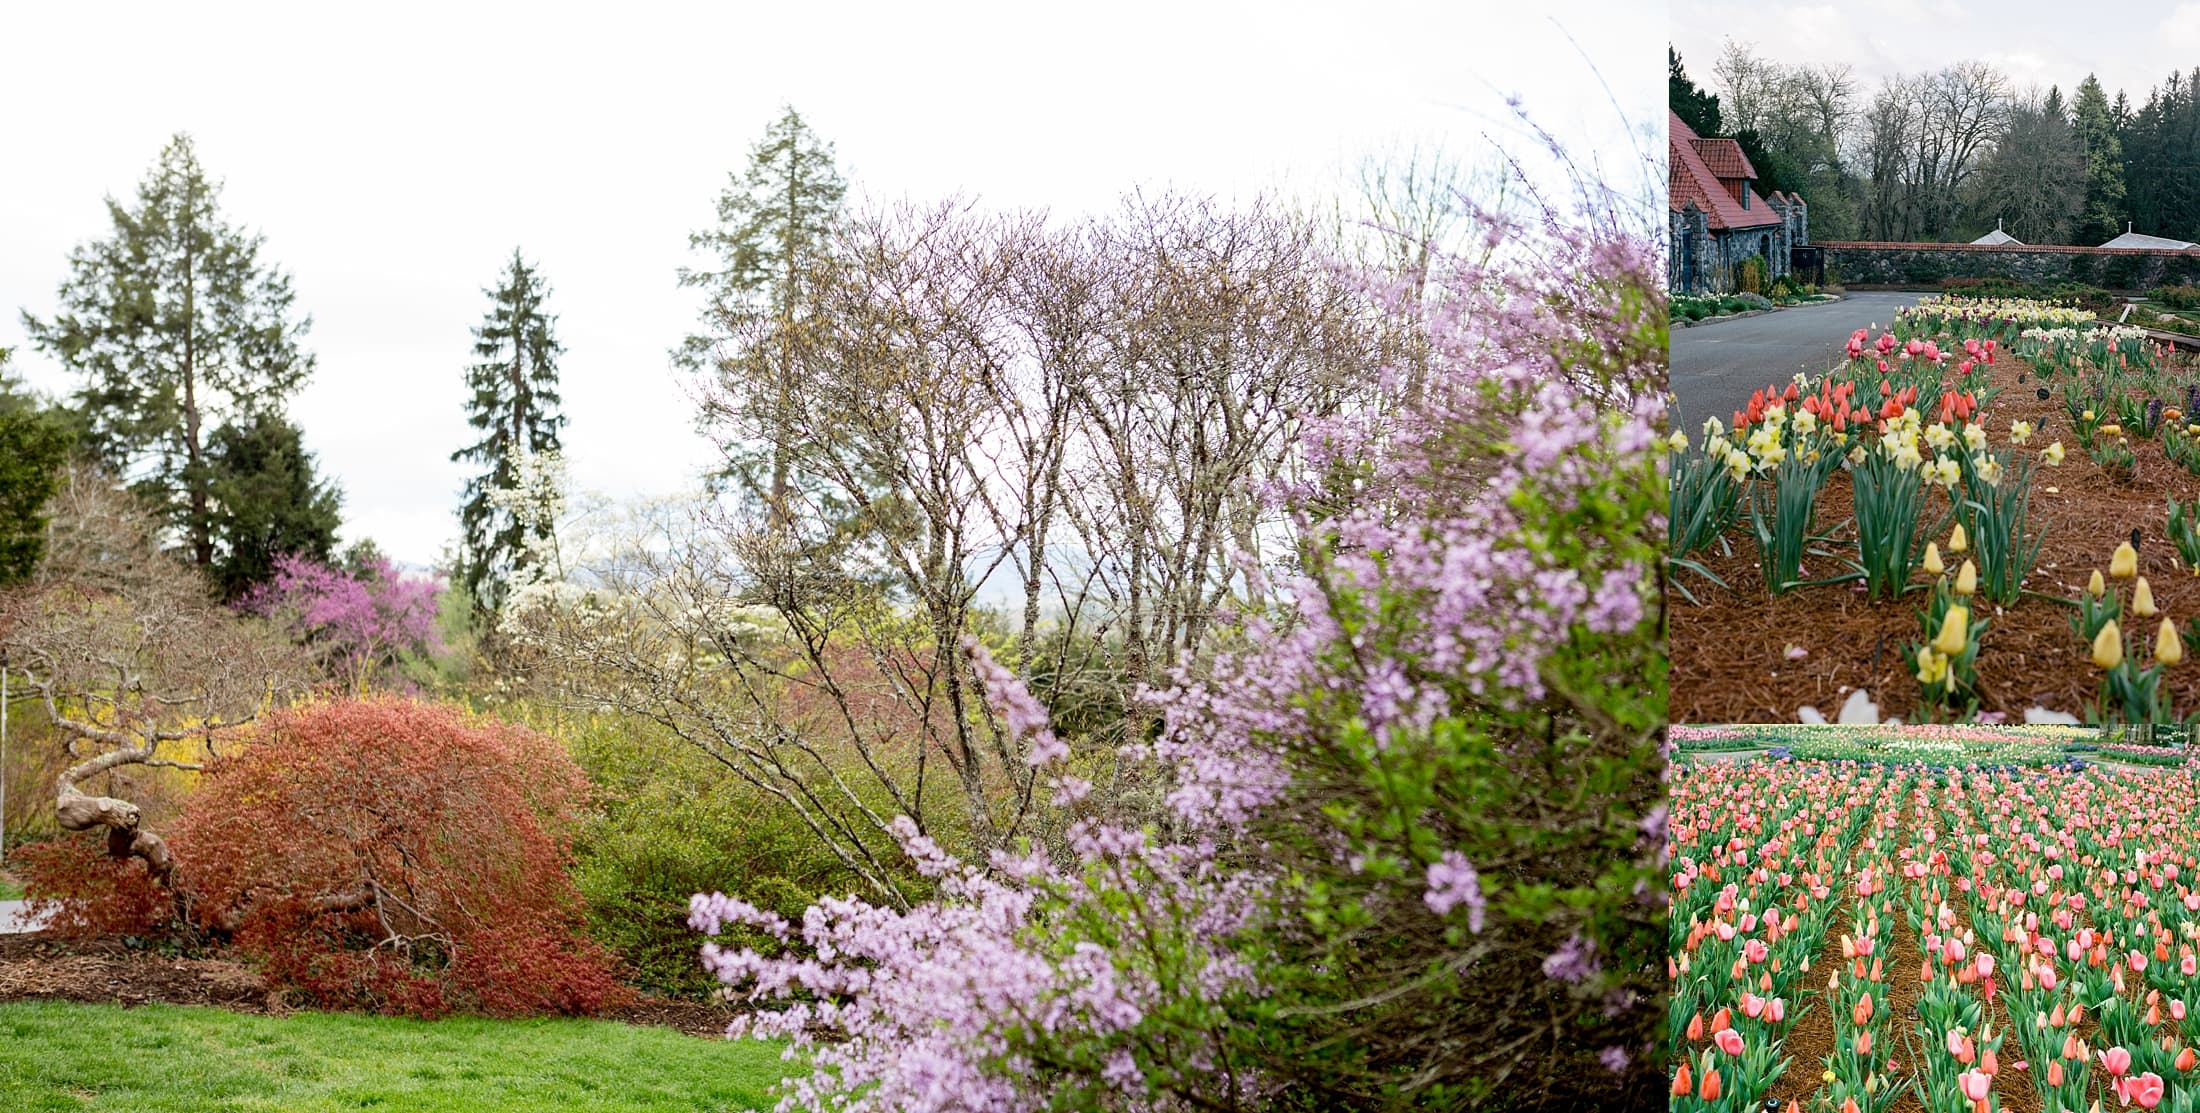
(775, 223)
(175, 325)
(270, 502)
(34, 445)
(515, 410)
(2103, 216)
(1696, 107)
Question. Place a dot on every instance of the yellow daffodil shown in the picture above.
(1939, 437)
(1678, 442)
(2125, 563)
(1945, 472)
(1713, 427)
(1974, 437)
(2142, 600)
(1805, 422)
(1955, 631)
(1933, 567)
(2108, 646)
(2020, 432)
(1967, 579)
(2053, 454)
(1959, 541)
(2168, 647)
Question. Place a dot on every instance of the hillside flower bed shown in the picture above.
(1991, 509)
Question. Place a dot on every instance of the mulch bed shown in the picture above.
(44, 967)
(1729, 649)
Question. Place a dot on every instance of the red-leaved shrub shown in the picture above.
(398, 856)
(82, 890)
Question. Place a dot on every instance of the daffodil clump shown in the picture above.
(1790, 455)
(1704, 488)
(2004, 319)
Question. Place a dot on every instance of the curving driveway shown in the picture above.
(1715, 366)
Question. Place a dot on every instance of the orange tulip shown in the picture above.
(1684, 1083)
(1709, 1091)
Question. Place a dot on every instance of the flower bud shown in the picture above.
(2108, 646)
(2125, 564)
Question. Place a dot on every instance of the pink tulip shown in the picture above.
(2115, 1061)
(1730, 1042)
(2145, 1089)
(1985, 963)
(1975, 1084)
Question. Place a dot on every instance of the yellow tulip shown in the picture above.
(1954, 631)
(2108, 646)
(2142, 600)
(1967, 579)
(1933, 567)
(1958, 541)
(2168, 647)
(2095, 586)
(2125, 563)
(1932, 667)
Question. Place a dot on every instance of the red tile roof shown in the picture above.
(1690, 179)
(1725, 158)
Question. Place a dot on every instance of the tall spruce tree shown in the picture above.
(270, 502)
(515, 409)
(175, 325)
(34, 445)
(775, 222)
(2103, 215)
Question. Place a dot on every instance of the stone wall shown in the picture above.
(1925, 264)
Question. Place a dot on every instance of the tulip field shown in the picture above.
(1857, 937)
(1959, 744)
(1989, 510)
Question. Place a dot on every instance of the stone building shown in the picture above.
(1718, 219)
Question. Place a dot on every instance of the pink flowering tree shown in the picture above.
(361, 622)
(1410, 850)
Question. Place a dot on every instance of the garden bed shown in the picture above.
(1899, 956)
(1741, 654)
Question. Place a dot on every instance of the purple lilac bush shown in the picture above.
(1410, 855)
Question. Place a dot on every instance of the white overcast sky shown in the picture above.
(394, 154)
(2130, 45)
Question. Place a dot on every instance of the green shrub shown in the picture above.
(673, 823)
(1750, 278)
(2177, 297)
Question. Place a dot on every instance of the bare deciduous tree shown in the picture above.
(131, 657)
(1054, 437)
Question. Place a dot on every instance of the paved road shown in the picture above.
(1715, 366)
(12, 919)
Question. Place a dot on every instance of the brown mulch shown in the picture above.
(44, 967)
(1729, 649)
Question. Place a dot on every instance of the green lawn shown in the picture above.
(60, 1056)
(9, 890)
